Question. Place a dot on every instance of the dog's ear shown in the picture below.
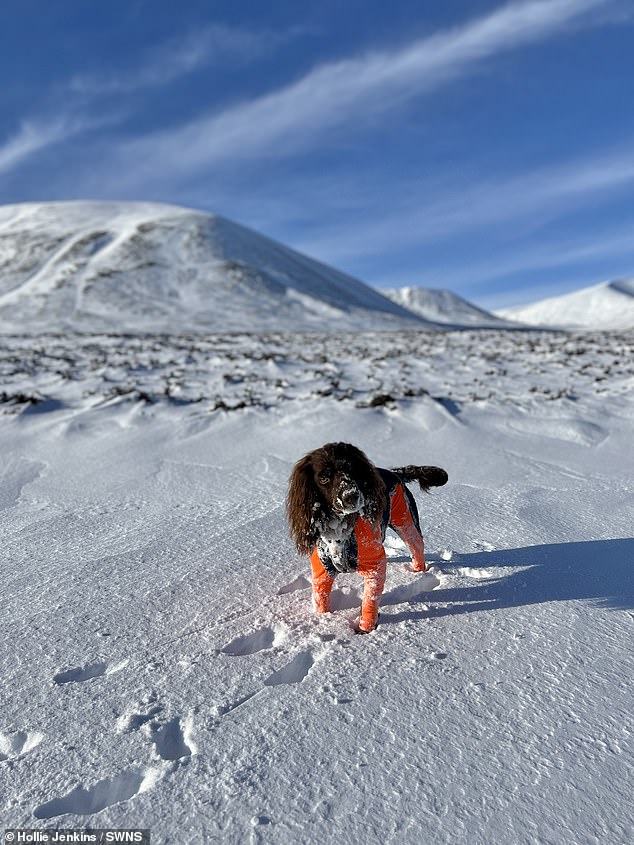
(303, 505)
(372, 487)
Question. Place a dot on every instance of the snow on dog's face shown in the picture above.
(326, 486)
(338, 471)
(339, 488)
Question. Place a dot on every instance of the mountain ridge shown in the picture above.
(142, 266)
(608, 305)
(445, 307)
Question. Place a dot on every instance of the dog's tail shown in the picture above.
(426, 476)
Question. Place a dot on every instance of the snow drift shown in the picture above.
(160, 664)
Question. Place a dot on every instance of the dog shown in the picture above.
(339, 506)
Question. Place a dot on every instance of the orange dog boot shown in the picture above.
(368, 622)
(369, 616)
(418, 563)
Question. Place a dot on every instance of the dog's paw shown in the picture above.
(359, 628)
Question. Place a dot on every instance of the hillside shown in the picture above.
(147, 267)
(609, 305)
(443, 306)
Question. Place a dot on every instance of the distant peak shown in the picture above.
(624, 286)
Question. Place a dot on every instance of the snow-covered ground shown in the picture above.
(609, 305)
(160, 663)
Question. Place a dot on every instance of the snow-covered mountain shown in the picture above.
(149, 267)
(443, 306)
(609, 305)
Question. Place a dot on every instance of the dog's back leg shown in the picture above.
(404, 520)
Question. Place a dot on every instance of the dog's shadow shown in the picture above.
(596, 571)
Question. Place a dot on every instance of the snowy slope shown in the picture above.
(443, 306)
(609, 305)
(145, 267)
(160, 665)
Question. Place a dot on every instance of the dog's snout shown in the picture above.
(350, 494)
(349, 497)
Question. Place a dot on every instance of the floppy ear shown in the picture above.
(302, 506)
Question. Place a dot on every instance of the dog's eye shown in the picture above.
(324, 479)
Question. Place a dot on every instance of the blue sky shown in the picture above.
(480, 146)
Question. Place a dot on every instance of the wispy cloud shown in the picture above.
(38, 134)
(341, 94)
(564, 253)
(33, 136)
(535, 197)
(214, 44)
(602, 248)
(336, 96)
(83, 96)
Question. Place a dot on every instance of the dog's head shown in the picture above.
(331, 483)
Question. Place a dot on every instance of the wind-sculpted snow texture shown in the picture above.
(230, 372)
(160, 664)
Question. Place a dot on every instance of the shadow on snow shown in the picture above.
(597, 571)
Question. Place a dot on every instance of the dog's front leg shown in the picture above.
(373, 583)
(372, 566)
(322, 584)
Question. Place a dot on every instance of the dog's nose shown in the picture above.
(349, 496)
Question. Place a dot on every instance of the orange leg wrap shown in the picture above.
(401, 520)
(372, 566)
(322, 585)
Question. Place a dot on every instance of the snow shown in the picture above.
(444, 307)
(99, 266)
(161, 665)
(609, 305)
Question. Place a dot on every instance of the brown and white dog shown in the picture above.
(339, 506)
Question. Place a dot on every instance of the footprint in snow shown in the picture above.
(85, 801)
(137, 717)
(172, 738)
(259, 640)
(18, 743)
(299, 583)
(85, 673)
(294, 672)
